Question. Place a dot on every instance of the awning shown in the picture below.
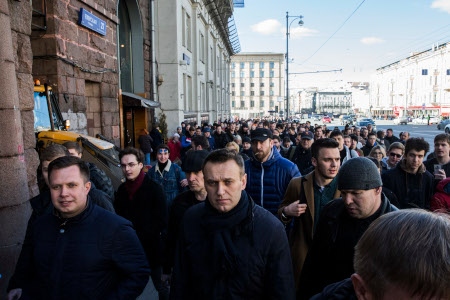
(130, 99)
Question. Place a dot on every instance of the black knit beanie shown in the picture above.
(359, 173)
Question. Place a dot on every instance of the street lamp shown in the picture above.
(288, 25)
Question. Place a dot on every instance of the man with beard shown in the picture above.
(306, 196)
(342, 223)
(268, 173)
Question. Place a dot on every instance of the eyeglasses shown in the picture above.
(163, 150)
(395, 154)
(130, 165)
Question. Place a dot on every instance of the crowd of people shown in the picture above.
(245, 210)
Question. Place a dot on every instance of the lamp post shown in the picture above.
(288, 25)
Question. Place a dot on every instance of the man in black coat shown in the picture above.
(230, 248)
(342, 223)
(409, 180)
(79, 251)
(142, 201)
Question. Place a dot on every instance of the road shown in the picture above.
(415, 130)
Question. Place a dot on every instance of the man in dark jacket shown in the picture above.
(142, 201)
(268, 173)
(409, 180)
(370, 143)
(230, 248)
(302, 155)
(341, 225)
(384, 256)
(80, 251)
(220, 138)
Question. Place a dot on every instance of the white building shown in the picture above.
(194, 43)
(419, 82)
(257, 84)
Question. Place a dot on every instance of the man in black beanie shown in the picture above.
(342, 223)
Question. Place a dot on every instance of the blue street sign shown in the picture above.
(91, 22)
(238, 3)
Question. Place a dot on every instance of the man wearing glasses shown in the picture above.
(142, 201)
(394, 155)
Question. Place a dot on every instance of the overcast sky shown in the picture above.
(357, 36)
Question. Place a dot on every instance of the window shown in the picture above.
(242, 103)
(448, 71)
(242, 93)
(252, 84)
(261, 103)
(252, 65)
(271, 65)
(261, 84)
(261, 65)
(261, 93)
(233, 103)
(242, 84)
(233, 65)
(242, 74)
(233, 74)
(201, 50)
(232, 84)
(272, 103)
(252, 74)
(242, 65)
(261, 74)
(233, 93)
(252, 103)
(271, 93)
(271, 74)
(272, 84)
(188, 32)
(252, 93)
(424, 71)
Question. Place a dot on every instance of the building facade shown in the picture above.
(194, 65)
(257, 85)
(416, 85)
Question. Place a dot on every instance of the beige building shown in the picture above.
(257, 85)
(419, 82)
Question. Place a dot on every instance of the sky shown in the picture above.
(357, 36)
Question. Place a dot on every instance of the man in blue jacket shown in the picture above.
(80, 251)
(268, 173)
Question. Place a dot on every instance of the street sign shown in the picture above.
(94, 23)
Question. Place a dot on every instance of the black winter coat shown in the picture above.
(330, 258)
(412, 190)
(261, 268)
(94, 255)
(148, 213)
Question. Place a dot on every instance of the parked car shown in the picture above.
(326, 119)
(401, 121)
(433, 120)
(316, 117)
(346, 120)
(366, 121)
(443, 124)
(447, 128)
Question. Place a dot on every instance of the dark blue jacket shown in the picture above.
(267, 181)
(94, 255)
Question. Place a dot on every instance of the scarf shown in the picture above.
(223, 229)
(133, 185)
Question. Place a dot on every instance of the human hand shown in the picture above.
(295, 209)
(14, 294)
(439, 174)
(184, 183)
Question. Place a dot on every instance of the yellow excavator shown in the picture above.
(50, 128)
